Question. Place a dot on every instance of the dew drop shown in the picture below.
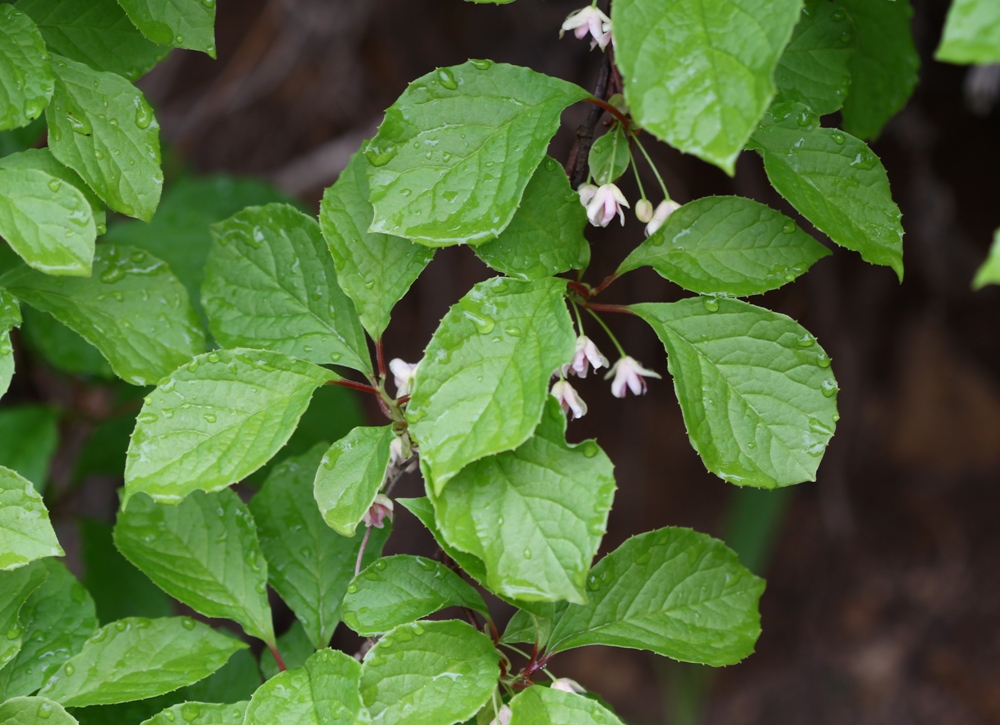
(380, 157)
(806, 340)
(527, 553)
(838, 138)
(213, 357)
(711, 304)
(823, 360)
(187, 623)
(69, 670)
(447, 79)
(481, 64)
(352, 589)
(788, 228)
(45, 711)
(55, 184)
(210, 418)
(829, 387)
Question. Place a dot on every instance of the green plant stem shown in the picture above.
(621, 350)
(663, 186)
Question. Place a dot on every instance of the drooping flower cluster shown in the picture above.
(627, 373)
(592, 21)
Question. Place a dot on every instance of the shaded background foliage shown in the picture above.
(883, 600)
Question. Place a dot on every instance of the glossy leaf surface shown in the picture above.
(350, 475)
(180, 23)
(26, 80)
(201, 713)
(25, 531)
(16, 586)
(548, 706)
(972, 33)
(34, 710)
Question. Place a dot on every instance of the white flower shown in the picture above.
(589, 20)
(629, 372)
(503, 716)
(586, 354)
(403, 373)
(664, 210)
(567, 685)
(380, 510)
(568, 399)
(602, 203)
(644, 211)
(400, 450)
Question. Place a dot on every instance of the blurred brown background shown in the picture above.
(883, 599)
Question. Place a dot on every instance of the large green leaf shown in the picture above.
(400, 589)
(101, 126)
(989, 272)
(216, 420)
(548, 706)
(423, 510)
(63, 349)
(971, 33)
(33, 711)
(374, 269)
(48, 223)
(180, 23)
(429, 673)
(270, 283)
(814, 67)
(236, 680)
(535, 516)
(15, 588)
(200, 713)
(673, 591)
(484, 379)
(28, 439)
(545, 237)
(132, 309)
(203, 552)
(699, 73)
(350, 475)
(884, 68)
(756, 391)
(835, 181)
(56, 620)
(6, 362)
(26, 80)
(322, 692)
(311, 566)
(138, 658)
(95, 32)
(26, 533)
(727, 245)
(454, 154)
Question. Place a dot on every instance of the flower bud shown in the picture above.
(644, 211)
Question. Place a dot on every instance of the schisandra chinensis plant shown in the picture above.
(236, 345)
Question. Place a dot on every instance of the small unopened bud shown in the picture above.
(503, 716)
(644, 211)
(567, 685)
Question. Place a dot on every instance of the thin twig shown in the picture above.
(576, 169)
(608, 308)
(380, 357)
(355, 386)
(277, 657)
(361, 551)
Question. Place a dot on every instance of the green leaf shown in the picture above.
(971, 33)
(546, 706)
(545, 237)
(429, 673)
(28, 440)
(25, 531)
(26, 81)
(989, 272)
(270, 283)
(609, 156)
(10, 311)
(350, 476)
(322, 692)
(43, 160)
(48, 223)
(884, 69)
(727, 245)
(15, 588)
(675, 592)
(34, 710)
(6, 362)
(63, 349)
(95, 32)
(836, 182)
(201, 713)
(534, 516)
(133, 310)
(401, 589)
(294, 647)
(128, 712)
(484, 379)
(375, 270)
(423, 509)
(138, 658)
(101, 126)
(236, 680)
(756, 391)
(699, 73)
(57, 618)
(180, 23)
(203, 552)
(814, 67)
(454, 154)
(216, 420)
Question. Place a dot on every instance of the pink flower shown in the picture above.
(567, 685)
(603, 203)
(589, 20)
(503, 716)
(586, 354)
(631, 373)
(380, 510)
(664, 210)
(402, 373)
(400, 450)
(568, 399)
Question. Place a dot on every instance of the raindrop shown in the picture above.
(789, 227)
(481, 64)
(711, 304)
(829, 387)
(447, 79)
(55, 184)
(210, 418)
(838, 138)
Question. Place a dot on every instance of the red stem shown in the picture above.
(603, 285)
(610, 109)
(355, 386)
(608, 308)
(380, 357)
(277, 657)
(580, 289)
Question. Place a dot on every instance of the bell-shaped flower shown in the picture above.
(503, 716)
(380, 510)
(402, 373)
(586, 355)
(572, 404)
(589, 20)
(400, 450)
(602, 203)
(664, 210)
(567, 685)
(630, 373)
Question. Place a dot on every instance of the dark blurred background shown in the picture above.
(883, 598)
